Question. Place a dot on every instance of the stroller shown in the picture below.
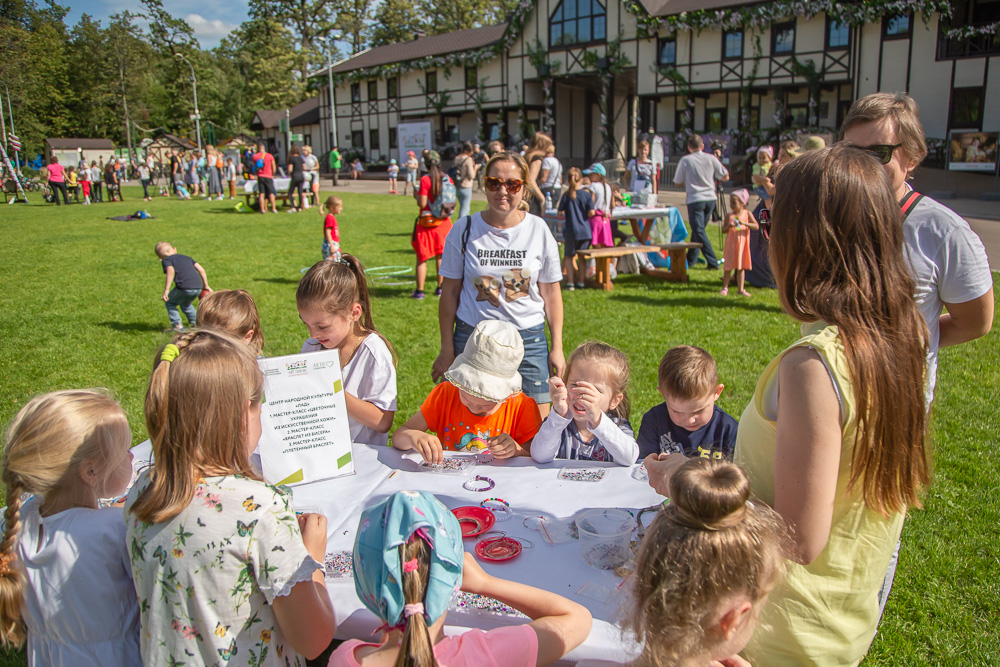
(114, 191)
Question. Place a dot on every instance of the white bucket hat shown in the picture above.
(487, 368)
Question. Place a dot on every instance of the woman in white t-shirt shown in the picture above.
(503, 264)
(550, 178)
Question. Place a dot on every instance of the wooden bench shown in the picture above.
(280, 198)
(603, 257)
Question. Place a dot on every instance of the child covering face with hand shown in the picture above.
(589, 417)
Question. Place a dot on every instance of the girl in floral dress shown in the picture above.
(225, 572)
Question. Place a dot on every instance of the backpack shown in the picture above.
(444, 205)
(258, 164)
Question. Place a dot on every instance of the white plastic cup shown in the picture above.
(605, 537)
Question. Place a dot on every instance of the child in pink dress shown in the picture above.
(737, 251)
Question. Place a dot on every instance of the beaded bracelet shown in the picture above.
(470, 484)
(501, 510)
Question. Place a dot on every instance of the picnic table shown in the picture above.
(280, 190)
(603, 256)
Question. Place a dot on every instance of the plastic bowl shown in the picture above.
(605, 536)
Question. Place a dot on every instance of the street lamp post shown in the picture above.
(194, 85)
(333, 103)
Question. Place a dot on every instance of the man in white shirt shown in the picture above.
(698, 172)
(946, 257)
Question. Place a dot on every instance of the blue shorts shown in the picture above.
(534, 368)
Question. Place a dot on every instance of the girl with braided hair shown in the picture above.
(65, 578)
(224, 570)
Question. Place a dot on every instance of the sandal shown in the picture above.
(724, 291)
(743, 292)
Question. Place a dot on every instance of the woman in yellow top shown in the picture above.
(834, 436)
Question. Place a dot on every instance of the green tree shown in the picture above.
(397, 21)
(310, 23)
(264, 55)
(454, 15)
(354, 22)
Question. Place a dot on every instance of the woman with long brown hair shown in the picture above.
(833, 438)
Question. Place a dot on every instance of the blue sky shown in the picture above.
(211, 19)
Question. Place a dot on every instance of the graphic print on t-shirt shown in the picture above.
(516, 281)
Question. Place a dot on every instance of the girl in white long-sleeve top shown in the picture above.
(589, 417)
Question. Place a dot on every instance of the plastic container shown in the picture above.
(452, 465)
(605, 535)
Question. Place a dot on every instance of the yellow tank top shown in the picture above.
(826, 613)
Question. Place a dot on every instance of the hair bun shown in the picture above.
(707, 494)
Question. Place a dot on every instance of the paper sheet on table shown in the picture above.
(305, 433)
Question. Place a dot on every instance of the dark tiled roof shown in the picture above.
(173, 140)
(303, 113)
(422, 47)
(86, 144)
(669, 7)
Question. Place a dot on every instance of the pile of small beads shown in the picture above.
(472, 601)
(583, 474)
(339, 564)
(452, 464)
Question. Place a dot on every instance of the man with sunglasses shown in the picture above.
(947, 259)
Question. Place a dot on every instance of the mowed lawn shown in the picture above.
(80, 307)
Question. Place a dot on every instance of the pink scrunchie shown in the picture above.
(410, 565)
(413, 609)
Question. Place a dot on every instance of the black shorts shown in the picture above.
(265, 186)
(571, 246)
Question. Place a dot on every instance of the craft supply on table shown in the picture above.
(595, 591)
(339, 565)
(640, 473)
(499, 507)
(307, 509)
(479, 483)
(605, 536)
(498, 549)
(452, 465)
(583, 474)
(473, 520)
(481, 604)
(485, 457)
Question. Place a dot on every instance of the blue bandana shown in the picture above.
(378, 573)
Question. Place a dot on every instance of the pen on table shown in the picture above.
(393, 474)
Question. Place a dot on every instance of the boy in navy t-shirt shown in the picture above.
(189, 279)
(687, 422)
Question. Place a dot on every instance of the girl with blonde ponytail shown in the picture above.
(223, 567)
(65, 451)
(408, 561)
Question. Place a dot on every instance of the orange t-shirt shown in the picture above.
(455, 426)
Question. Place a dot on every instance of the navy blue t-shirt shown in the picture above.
(577, 225)
(659, 435)
(186, 277)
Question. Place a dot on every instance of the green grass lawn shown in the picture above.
(81, 307)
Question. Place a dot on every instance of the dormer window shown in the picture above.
(577, 22)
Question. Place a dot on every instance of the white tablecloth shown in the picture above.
(531, 489)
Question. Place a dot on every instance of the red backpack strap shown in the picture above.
(909, 202)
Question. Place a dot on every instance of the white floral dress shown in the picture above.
(206, 578)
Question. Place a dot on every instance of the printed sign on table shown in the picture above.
(415, 136)
(305, 434)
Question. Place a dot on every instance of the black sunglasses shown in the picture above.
(513, 185)
(881, 151)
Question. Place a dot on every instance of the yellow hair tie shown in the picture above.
(170, 352)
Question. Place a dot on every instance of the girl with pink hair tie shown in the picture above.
(736, 256)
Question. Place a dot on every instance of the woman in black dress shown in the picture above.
(296, 171)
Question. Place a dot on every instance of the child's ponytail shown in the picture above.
(12, 580)
(196, 418)
(415, 647)
(48, 438)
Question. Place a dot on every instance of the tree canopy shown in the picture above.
(123, 78)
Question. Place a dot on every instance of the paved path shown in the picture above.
(983, 216)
